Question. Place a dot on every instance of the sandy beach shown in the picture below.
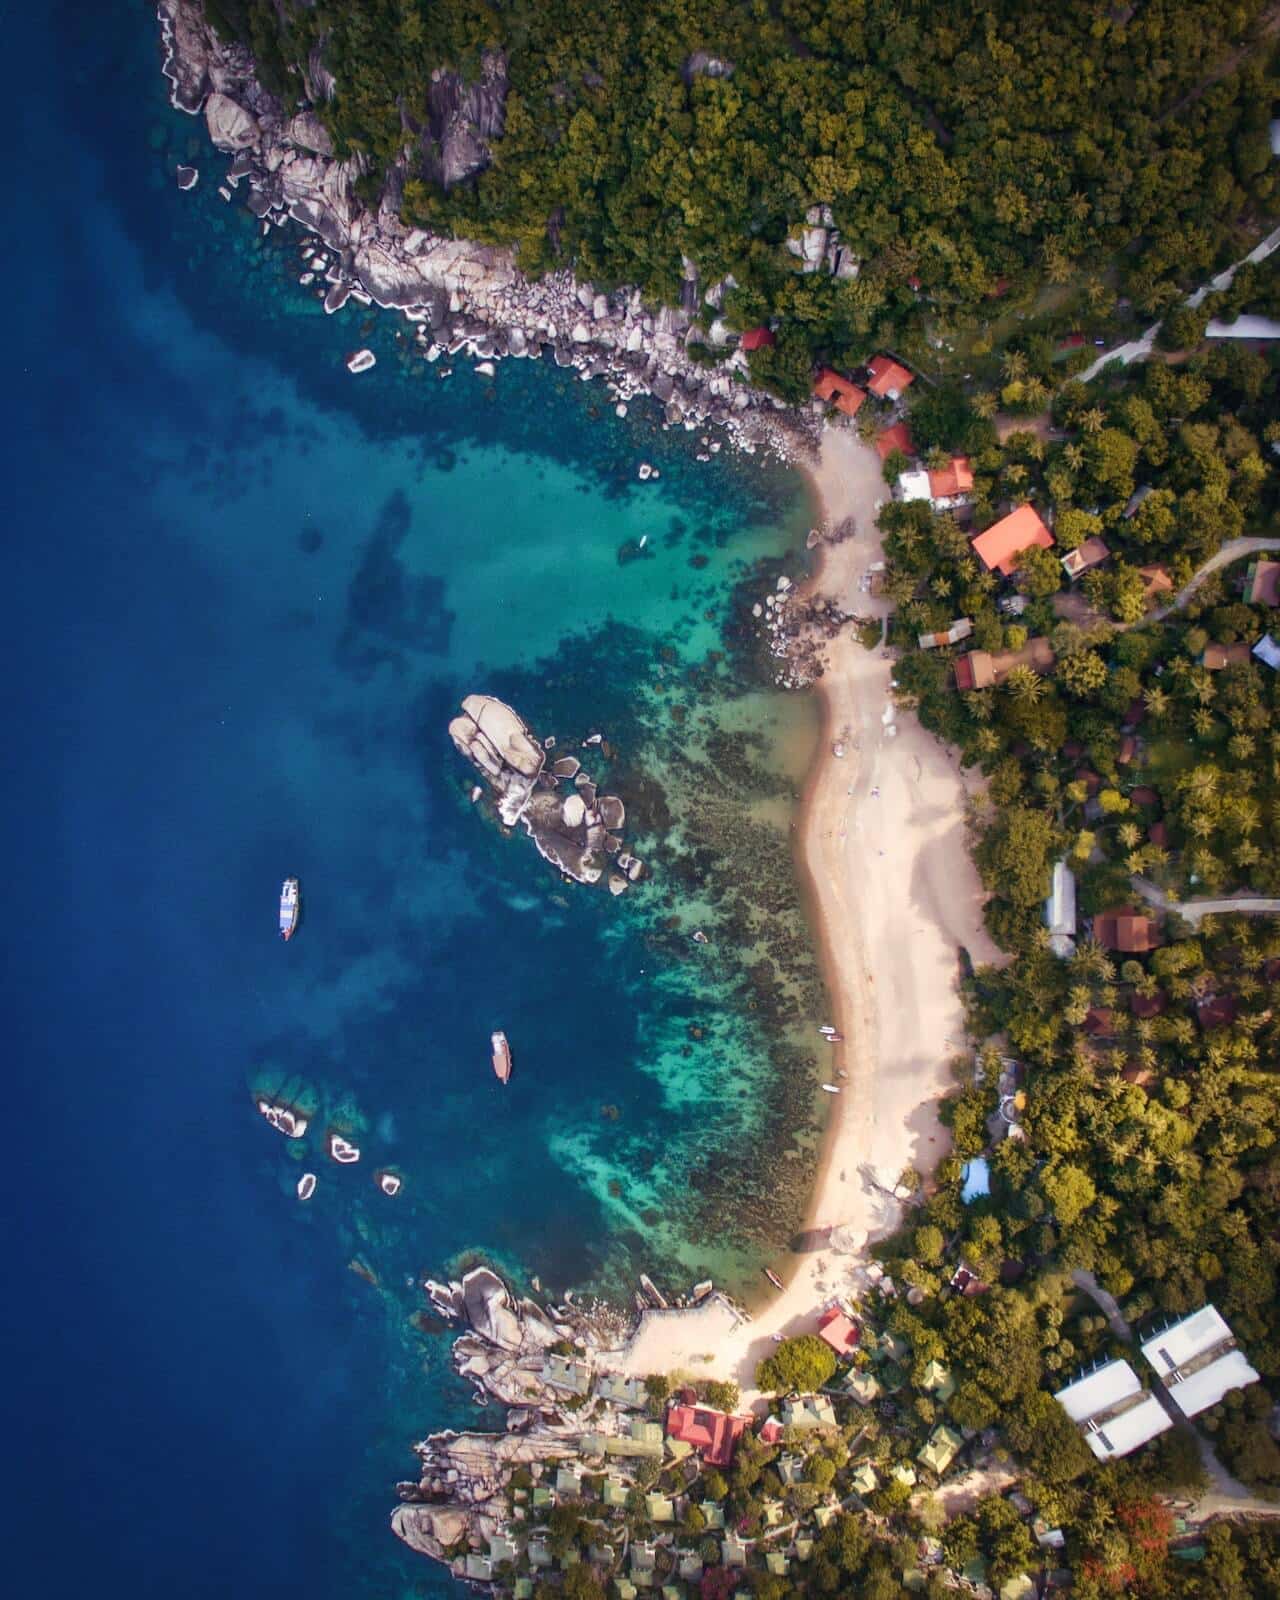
(895, 898)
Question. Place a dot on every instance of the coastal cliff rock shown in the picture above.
(461, 295)
(489, 1310)
(494, 739)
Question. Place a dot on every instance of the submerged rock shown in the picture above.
(361, 361)
(285, 1119)
(187, 177)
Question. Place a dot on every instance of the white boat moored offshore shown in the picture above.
(290, 905)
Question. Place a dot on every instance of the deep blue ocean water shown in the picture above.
(245, 592)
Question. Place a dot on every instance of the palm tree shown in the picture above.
(1156, 701)
(1093, 420)
(1014, 365)
(1025, 685)
(985, 404)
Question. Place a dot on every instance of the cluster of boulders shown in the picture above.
(464, 297)
(818, 246)
(574, 826)
(794, 628)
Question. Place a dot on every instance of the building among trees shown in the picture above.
(1113, 1411)
(1198, 1361)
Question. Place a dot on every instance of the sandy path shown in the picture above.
(894, 896)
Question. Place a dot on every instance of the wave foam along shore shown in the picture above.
(894, 898)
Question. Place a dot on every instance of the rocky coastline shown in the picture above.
(464, 298)
(550, 1367)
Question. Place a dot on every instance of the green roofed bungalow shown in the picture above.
(620, 1391)
(659, 1508)
(614, 1492)
(593, 1444)
(541, 1495)
(777, 1563)
(478, 1568)
(893, 1347)
(790, 1468)
(904, 1472)
(809, 1411)
(671, 1591)
(824, 1516)
(569, 1559)
(863, 1386)
(567, 1373)
(772, 1514)
(523, 1589)
(626, 1589)
(713, 1511)
(678, 1449)
(863, 1481)
(601, 1554)
(937, 1380)
(1019, 1588)
(941, 1449)
(569, 1480)
(804, 1549)
(892, 1377)
(643, 1557)
(539, 1555)
(733, 1553)
(501, 1549)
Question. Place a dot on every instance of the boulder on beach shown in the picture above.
(230, 126)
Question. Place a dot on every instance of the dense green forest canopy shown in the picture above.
(960, 146)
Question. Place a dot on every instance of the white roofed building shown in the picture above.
(1060, 911)
(1113, 1411)
(1198, 1361)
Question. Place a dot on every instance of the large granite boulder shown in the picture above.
(429, 1530)
(231, 127)
(489, 1309)
(494, 739)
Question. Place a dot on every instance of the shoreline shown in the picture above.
(892, 897)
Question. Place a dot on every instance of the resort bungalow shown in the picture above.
(1262, 583)
(713, 1434)
(1127, 930)
(614, 1492)
(1060, 911)
(809, 1411)
(478, 1569)
(567, 1373)
(887, 378)
(941, 1449)
(999, 547)
(944, 489)
(1113, 1411)
(836, 391)
(713, 1513)
(641, 1439)
(839, 1331)
(569, 1480)
(1268, 651)
(896, 438)
(733, 1552)
(864, 1480)
(777, 1563)
(659, 1508)
(620, 1391)
(983, 669)
(757, 339)
(1092, 553)
(1155, 582)
(1198, 1361)
(1217, 657)
(960, 629)
(690, 1567)
(936, 1380)
(904, 1473)
(864, 1387)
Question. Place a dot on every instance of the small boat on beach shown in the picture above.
(501, 1056)
(289, 908)
(831, 1088)
(773, 1278)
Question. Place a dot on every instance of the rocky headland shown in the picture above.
(574, 828)
(462, 296)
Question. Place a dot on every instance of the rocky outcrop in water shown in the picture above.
(464, 297)
(571, 830)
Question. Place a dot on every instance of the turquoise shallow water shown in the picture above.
(248, 591)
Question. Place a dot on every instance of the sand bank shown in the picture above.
(895, 898)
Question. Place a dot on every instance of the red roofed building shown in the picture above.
(770, 1431)
(838, 391)
(713, 1434)
(839, 1331)
(1003, 542)
(896, 438)
(888, 378)
(754, 338)
(955, 479)
(1124, 929)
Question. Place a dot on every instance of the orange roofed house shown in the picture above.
(838, 391)
(952, 483)
(713, 1434)
(896, 438)
(888, 378)
(1003, 542)
(1125, 929)
(839, 1331)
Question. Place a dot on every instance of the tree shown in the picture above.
(1040, 572)
(723, 1395)
(1014, 857)
(797, 1366)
